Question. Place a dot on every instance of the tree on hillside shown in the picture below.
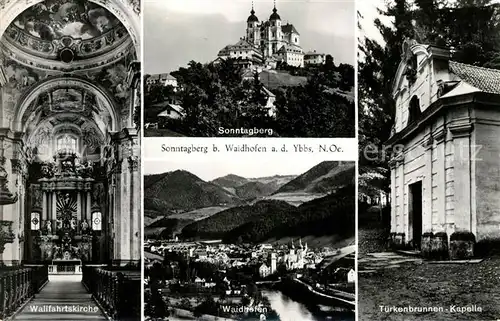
(215, 95)
(155, 306)
(314, 110)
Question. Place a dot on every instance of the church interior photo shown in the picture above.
(69, 152)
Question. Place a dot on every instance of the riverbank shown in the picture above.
(184, 315)
(319, 306)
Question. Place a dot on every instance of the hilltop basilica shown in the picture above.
(267, 42)
(296, 260)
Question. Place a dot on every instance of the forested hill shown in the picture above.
(216, 226)
(322, 178)
(333, 214)
(252, 188)
(230, 181)
(181, 190)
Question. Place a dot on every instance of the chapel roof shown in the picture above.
(252, 17)
(289, 28)
(275, 15)
(484, 79)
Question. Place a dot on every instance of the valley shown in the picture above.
(318, 204)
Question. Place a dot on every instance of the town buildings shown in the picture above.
(165, 79)
(295, 260)
(314, 58)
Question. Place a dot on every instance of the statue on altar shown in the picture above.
(66, 166)
(76, 251)
(66, 225)
(84, 169)
(6, 197)
(66, 240)
(57, 252)
(73, 224)
(85, 227)
(48, 170)
(48, 227)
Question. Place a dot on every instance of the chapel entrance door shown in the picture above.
(415, 214)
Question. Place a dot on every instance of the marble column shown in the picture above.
(127, 199)
(54, 206)
(402, 191)
(427, 196)
(118, 218)
(45, 208)
(394, 213)
(135, 210)
(125, 213)
(462, 175)
(88, 208)
(439, 138)
(79, 206)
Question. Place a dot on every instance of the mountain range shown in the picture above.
(250, 188)
(322, 178)
(180, 190)
(239, 209)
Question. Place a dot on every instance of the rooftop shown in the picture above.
(314, 53)
(484, 79)
(289, 28)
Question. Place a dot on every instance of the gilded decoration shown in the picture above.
(6, 196)
(6, 234)
(55, 19)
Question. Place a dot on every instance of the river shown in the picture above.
(290, 310)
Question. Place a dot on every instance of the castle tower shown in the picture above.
(273, 263)
(276, 34)
(253, 30)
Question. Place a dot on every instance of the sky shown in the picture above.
(208, 170)
(177, 31)
(368, 11)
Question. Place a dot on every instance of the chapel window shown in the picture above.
(35, 221)
(67, 143)
(96, 221)
(414, 110)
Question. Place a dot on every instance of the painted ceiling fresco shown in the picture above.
(54, 19)
(111, 78)
(68, 99)
(62, 100)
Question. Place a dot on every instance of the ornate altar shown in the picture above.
(63, 218)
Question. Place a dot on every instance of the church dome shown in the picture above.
(252, 17)
(275, 15)
(66, 35)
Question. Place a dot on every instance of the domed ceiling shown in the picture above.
(55, 19)
(66, 30)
